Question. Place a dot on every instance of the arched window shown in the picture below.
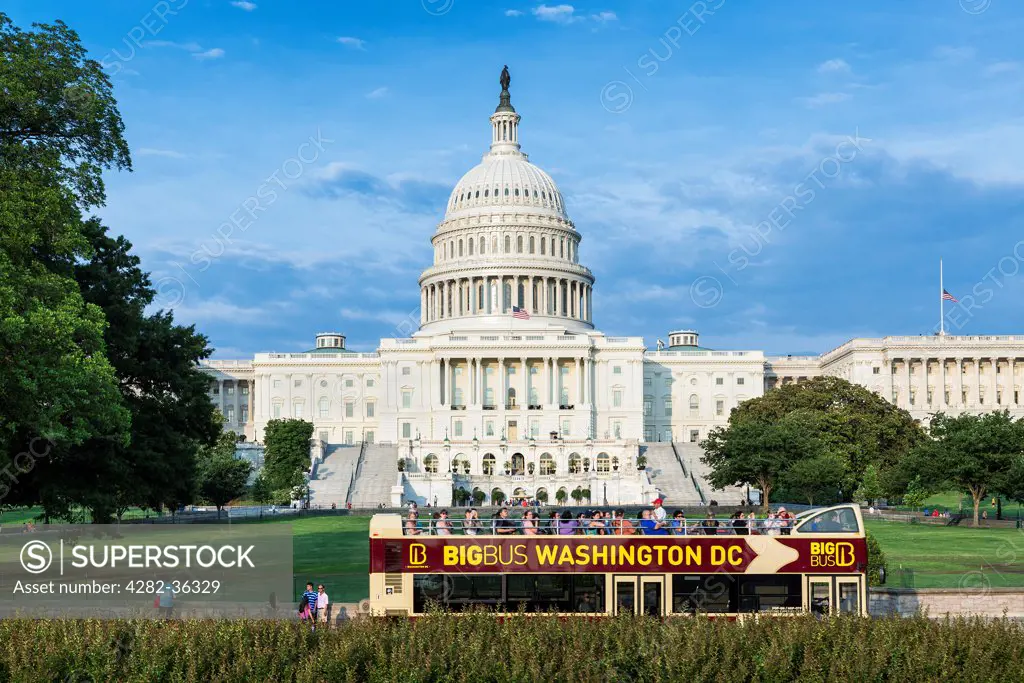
(494, 245)
(486, 192)
(604, 463)
(519, 244)
(575, 463)
(547, 464)
(477, 196)
(483, 244)
(521, 295)
(543, 245)
(561, 248)
(517, 192)
(470, 246)
(508, 244)
(532, 244)
(510, 400)
(460, 247)
(324, 406)
(694, 402)
(451, 248)
(506, 191)
(430, 464)
(488, 464)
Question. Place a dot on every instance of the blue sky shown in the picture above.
(781, 176)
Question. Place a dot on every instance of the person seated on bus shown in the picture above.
(786, 520)
(432, 529)
(622, 526)
(678, 523)
(443, 525)
(566, 523)
(471, 523)
(739, 524)
(550, 526)
(710, 525)
(530, 523)
(596, 525)
(752, 526)
(503, 525)
(586, 603)
(651, 526)
(411, 527)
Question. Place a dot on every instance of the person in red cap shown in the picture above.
(659, 512)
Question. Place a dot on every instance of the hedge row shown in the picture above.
(481, 648)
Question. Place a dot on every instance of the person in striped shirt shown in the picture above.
(309, 597)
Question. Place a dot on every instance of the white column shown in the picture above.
(906, 362)
(924, 381)
(524, 397)
(1011, 367)
(959, 382)
(577, 391)
(942, 378)
(502, 398)
(977, 381)
(441, 384)
(994, 378)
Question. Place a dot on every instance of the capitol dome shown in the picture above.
(506, 254)
(506, 182)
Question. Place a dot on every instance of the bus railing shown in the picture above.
(443, 526)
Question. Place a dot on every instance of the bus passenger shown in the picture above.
(530, 523)
(622, 526)
(771, 525)
(651, 526)
(752, 524)
(739, 524)
(566, 524)
(596, 526)
(411, 527)
(551, 528)
(443, 524)
(679, 523)
(503, 525)
(710, 525)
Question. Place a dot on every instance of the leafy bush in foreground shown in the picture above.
(478, 647)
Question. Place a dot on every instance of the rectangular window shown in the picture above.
(668, 407)
(719, 407)
(216, 389)
(534, 429)
(407, 398)
(243, 414)
(370, 408)
(647, 407)
(489, 428)
(458, 428)
(647, 381)
(277, 384)
(244, 389)
(617, 429)
(348, 438)
(406, 430)
(694, 435)
(325, 407)
(297, 410)
(370, 383)
(565, 427)
(706, 593)
(406, 370)
(565, 593)
(369, 437)
(349, 409)
(229, 414)
(740, 381)
(617, 398)
(229, 389)
(277, 410)
(719, 381)
(616, 370)
(298, 382)
(876, 371)
(348, 383)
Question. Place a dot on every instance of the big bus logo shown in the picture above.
(417, 555)
(832, 554)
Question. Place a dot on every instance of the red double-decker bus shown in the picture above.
(819, 566)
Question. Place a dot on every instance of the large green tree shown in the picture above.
(850, 421)
(59, 129)
(817, 478)
(286, 444)
(222, 476)
(758, 452)
(975, 454)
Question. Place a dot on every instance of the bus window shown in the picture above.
(779, 592)
(711, 593)
(588, 590)
(838, 521)
(848, 600)
(820, 597)
(625, 597)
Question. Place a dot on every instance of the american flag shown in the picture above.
(520, 313)
(946, 296)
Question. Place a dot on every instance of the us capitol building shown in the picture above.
(508, 388)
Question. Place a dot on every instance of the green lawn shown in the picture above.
(951, 557)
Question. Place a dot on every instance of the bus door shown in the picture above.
(834, 595)
(640, 595)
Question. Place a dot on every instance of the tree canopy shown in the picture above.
(286, 444)
(976, 454)
(222, 476)
(846, 420)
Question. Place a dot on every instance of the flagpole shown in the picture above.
(942, 291)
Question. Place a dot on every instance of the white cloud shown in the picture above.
(355, 43)
(1002, 68)
(220, 310)
(190, 47)
(243, 4)
(834, 66)
(560, 14)
(215, 53)
(513, 13)
(377, 93)
(154, 152)
(824, 98)
(604, 16)
(954, 54)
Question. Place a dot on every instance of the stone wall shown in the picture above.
(938, 602)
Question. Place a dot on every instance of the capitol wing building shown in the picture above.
(508, 390)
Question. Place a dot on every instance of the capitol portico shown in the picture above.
(508, 386)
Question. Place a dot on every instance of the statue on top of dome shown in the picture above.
(505, 78)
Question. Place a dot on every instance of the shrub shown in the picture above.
(478, 647)
(876, 561)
